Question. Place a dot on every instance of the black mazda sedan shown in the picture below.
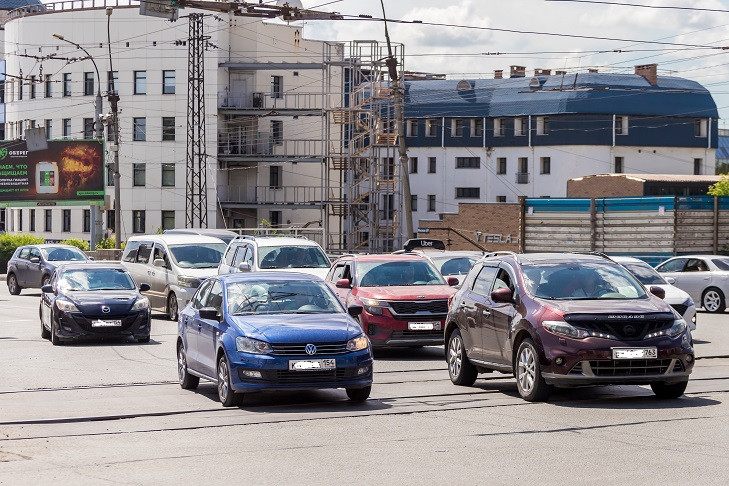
(93, 300)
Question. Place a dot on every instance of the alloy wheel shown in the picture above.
(223, 389)
(181, 364)
(526, 369)
(454, 356)
(712, 301)
(12, 284)
(172, 307)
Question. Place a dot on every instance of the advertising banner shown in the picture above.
(68, 173)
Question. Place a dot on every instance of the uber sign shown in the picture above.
(425, 243)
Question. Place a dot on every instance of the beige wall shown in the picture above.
(609, 186)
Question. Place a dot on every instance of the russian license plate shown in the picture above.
(635, 353)
(103, 323)
(424, 326)
(312, 364)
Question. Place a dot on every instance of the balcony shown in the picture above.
(522, 177)
(246, 146)
(266, 196)
(280, 104)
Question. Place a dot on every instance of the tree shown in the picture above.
(721, 188)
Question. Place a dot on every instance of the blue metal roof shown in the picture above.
(722, 151)
(12, 4)
(583, 93)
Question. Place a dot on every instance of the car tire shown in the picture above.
(460, 369)
(187, 381)
(358, 395)
(173, 307)
(226, 395)
(664, 390)
(529, 380)
(55, 340)
(13, 287)
(45, 333)
(712, 300)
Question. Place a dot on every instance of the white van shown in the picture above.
(173, 266)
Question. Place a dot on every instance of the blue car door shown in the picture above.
(209, 330)
(190, 326)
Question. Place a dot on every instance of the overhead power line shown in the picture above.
(642, 5)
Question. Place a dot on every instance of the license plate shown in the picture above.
(424, 326)
(102, 323)
(312, 364)
(635, 353)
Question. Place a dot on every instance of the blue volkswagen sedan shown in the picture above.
(250, 332)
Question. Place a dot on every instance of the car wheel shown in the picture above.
(13, 286)
(674, 390)
(227, 396)
(460, 369)
(45, 333)
(54, 334)
(359, 394)
(172, 307)
(713, 300)
(529, 380)
(46, 281)
(187, 381)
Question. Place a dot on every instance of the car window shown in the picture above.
(675, 265)
(200, 296)
(581, 281)
(336, 273)
(24, 253)
(645, 273)
(34, 252)
(64, 255)
(398, 273)
(721, 263)
(484, 280)
(159, 253)
(281, 297)
(454, 266)
(229, 254)
(199, 255)
(95, 279)
(144, 252)
(696, 265)
(215, 297)
(130, 251)
(293, 256)
(239, 256)
(503, 280)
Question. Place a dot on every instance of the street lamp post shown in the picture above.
(96, 223)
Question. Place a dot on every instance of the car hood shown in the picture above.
(651, 305)
(317, 272)
(409, 292)
(298, 328)
(90, 303)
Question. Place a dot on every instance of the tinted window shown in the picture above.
(645, 273)
(215, 297)
(239, 256)
(200, 296)
(454, 266)
(722, 264)
(24, 252)
(336, 273)
(159, 253)
(201, 255)
(281, 297)
(398, 273)
(130, 251)
(229, 253)
(484, 280)
(64, 255)
(581, 281)
(292, 257)
(95, 279)
(503, 281)
(34, 252)
(672, 265)
(696, 265)
(144, 252)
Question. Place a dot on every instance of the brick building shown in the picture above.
(625, 185)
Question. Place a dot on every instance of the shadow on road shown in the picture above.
(426, 353)
(623, 398)
(99, 342)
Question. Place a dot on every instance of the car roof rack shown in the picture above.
(273, 235)
(490, 254)
(594, 253)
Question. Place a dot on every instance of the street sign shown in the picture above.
(166, 9)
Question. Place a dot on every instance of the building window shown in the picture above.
(501, 199)
(32, 87)
(32, 220)
(520, 126)
(168, 175)
(88, 128)
(110, 219)
(545, 165)
(66, 221)
(458, 126)
(431, 165)
(468, 162)
(522, 176)
(140, 82)
(48, 221)
(168, 82)
(20, 89)
(277, 131)
(411, 128)
(140, 175)
(276, 86)
(20, 220)
(388, 207)
(274, 218)
(621, 125)
(109, 175)
(501, 165)
(67, 84)
(139, 129)
(413, 165)
(48, 86)
(618, 165)
(499, 127)
(274, 177)
(431, 203)
(700, 128)
(388, 168)
(413, 202)
(168, 220)
(66, 128)
(87, 221)
(477, 127)
(49, 129)
(697, 166)
(112, 82)
(168, 128)
(88, 84)
(139, 222)
(542, 125)
(431, 128)
(468, 192)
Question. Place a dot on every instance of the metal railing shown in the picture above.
(268, 101)
(69, 5)
(522, 177)
(239, 143)
(285, 195)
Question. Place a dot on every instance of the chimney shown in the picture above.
(518, 72)
(560, 73)
(542, 72)
(649, 72)
(499, 74)
(592, 70)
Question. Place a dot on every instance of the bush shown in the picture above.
(80, 244)
(8, 244)
(105, 244)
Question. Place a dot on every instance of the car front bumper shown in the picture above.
(387, 331)
(75, 325)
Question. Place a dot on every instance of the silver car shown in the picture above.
(704, 277)
(31, 266)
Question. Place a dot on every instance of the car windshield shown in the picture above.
(398, 273)
(198, 255)
(454, 265)
(64, 255)
(581, 281)
(292, 256)
(645, 273)
(281, 297)
(721, 263)
(95, 279)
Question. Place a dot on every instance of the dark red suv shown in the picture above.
(565, 319)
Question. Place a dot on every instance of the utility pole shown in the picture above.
(196, 202)
(113, 98)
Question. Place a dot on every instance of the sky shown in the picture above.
(459, 52)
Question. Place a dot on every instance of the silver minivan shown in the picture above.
(173, 265)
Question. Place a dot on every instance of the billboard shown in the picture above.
(68, 173)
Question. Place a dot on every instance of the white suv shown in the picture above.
(266, 253)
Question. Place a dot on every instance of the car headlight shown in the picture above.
(374, 306)
(141, 304)
(66, 305)
(191, 282)
(563, 329)
(254, 346)
(678, 327)
(358, 343)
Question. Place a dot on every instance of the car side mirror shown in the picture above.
(159, 262)
(504, 296)
(47, 289)
(244, 267)
(658, 292)
(355, 310)
(35, 260)
(343, 283)
(210, 313)
(91, 258)
(670, 280)
(144, 287)
(452, 281)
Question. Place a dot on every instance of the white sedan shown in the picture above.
(704, 277)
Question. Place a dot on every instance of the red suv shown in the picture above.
(565, 319)
(405, 299)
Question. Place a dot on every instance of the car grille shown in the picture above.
(630, 367)
(300, 349)
(413, 307)
(85, 322)
(417, 334)
(632, 330)
(680, 308)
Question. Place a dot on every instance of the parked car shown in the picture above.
(173, 266)
(405, 298)
(704, 277)
(93, 300)
(450, 263)
(222, 234)
(271, 331)
(675, 297)
(31, 266)
(268, 253)
(565, 319)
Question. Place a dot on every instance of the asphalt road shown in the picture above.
(112, 413)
